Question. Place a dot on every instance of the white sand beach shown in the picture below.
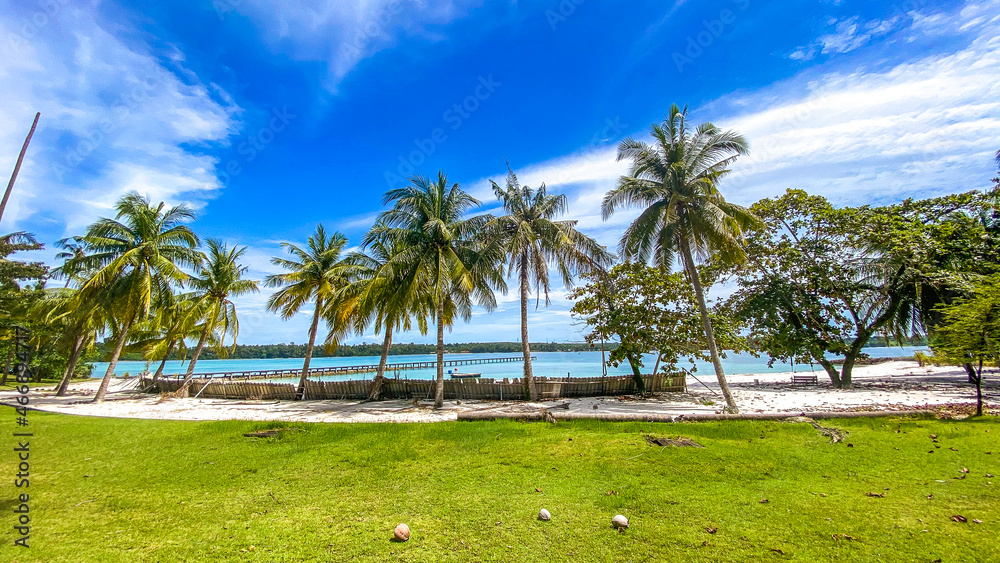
(896, 385)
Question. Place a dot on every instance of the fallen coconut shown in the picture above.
(402, 532)
(544, 515)
(619, 522)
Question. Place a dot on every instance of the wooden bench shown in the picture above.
(805, 380)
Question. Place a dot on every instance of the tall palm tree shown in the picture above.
(384, 294)
(136, 258)
(453, 262)
(317, 273)
(218, 278)
(675, 180)
(532, 239)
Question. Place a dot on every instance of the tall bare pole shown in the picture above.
(17, 167)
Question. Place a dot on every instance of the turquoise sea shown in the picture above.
(546, 364)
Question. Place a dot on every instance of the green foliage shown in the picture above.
(969, 332)
(25, 303)
(970, 327)
(648, 309)
(822, 280)
(15, 296)
(675, 181)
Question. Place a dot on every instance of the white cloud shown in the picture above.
(920, 128)
(847, 35)
(114, 119)
(342, 34)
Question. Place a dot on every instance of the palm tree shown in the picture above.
(72, 256)
(82, 322)
(532, 239)
(317, 273)
(384, 294)
(217, 279)
(136, 258)
(675, 180)
(171, 327)
(451, 260)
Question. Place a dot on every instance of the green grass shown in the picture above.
(139, 490)
(45, 382)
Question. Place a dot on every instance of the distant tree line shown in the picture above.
(268, 351)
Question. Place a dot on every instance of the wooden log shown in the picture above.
(649, 417)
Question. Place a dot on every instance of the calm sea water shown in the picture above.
(547, 364)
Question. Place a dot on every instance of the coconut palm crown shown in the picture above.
(218, 279)
(315, 273)
(137, 258)
(444, 249)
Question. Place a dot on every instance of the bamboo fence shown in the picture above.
(461, 389)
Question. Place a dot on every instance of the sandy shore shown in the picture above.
(896, 385)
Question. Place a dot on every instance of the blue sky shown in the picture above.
(271, 117)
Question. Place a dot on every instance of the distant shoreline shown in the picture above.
(292, 350)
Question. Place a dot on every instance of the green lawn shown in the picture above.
(139, 490)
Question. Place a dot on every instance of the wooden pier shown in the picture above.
(344, 370)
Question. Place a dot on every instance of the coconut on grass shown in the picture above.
(401, 533)
(619, 522)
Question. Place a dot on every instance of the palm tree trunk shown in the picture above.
(375, 393)
(439, 387)
(74, 357)
(300, 393)
(17, 166)
(119, 345)
(529, 378)
(163, 362)
(189, 375)
(692, 272)
(10, 361)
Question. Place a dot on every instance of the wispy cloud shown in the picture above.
(116, 116)
(920, 128)
(342, 34)
(848, 35)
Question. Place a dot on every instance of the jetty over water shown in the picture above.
(345, 370)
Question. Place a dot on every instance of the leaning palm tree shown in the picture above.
(317, 273)
(79, 323)
(136, 259)
(384, 294)
(452, 261)
(675, 181)
(218, 278)
(175, 324)
(532, 239)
